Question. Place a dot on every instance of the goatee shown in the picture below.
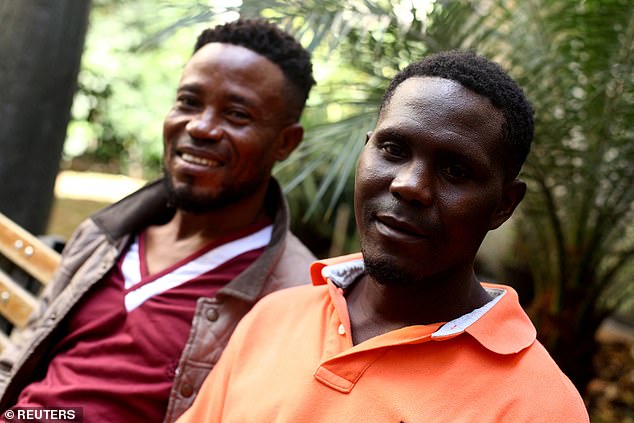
(386, 272)
(186, 200)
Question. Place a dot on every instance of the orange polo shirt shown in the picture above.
(291, 359)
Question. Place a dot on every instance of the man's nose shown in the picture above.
(414, 183)
(205, 125)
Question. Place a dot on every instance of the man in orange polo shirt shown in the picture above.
(404, 331)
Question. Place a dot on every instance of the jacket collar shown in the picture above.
(500, 326)
(149, 205)
(144, 207)
(249, 285)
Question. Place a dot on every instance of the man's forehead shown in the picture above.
(424, 108)
(246, 71)
(230, 56)
(417, 91)
(431, 97)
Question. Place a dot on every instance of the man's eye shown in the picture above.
(455, 171)
(186, 101)
(238, 116)
(393, 149)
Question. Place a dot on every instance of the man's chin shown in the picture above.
(185, 199)
(197, 205)
(386, 272)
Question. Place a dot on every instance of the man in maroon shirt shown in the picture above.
(150, 288)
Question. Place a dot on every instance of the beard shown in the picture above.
(185, 199)
(385, 271)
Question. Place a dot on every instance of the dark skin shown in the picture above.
(229, 125)
(429, 185)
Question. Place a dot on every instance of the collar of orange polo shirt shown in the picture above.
(499, 329)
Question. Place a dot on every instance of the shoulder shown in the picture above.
(545, 389)
(273, 319)
(518, 369)
(295, 251)
(540, 368)
(284, 309)
(293, 267)
(291, 299)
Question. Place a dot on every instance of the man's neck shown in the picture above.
(377, 308)
(187, 232)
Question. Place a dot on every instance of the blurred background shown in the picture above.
(86, 86)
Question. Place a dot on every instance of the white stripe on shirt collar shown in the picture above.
(188, 271)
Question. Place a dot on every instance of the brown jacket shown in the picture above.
(92, 252)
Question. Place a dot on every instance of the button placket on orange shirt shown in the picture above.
(343, 363)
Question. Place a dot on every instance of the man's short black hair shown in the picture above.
(488, 79)
(266, 39)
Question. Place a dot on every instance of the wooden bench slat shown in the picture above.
(4, 341)
(27, 251)
(16, 303)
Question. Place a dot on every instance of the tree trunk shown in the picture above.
(41, 44)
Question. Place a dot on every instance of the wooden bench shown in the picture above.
(28, 253)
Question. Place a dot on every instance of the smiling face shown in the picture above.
(429, 182)
(227, 128)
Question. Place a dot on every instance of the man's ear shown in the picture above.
(289, 139)
(514, 192)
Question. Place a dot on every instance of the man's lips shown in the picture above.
(393, 227)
